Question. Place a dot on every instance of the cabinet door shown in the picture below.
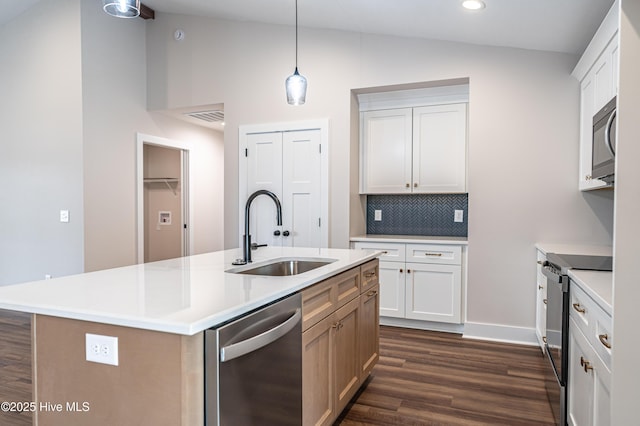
(346, 356)
(369, 330)
(440, 148)
(385, 157)
(318, 402)
(264, 171)
(301, 189)
(433, 292)
(580, 386)
(392, 289)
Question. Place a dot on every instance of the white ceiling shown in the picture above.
(554, 25)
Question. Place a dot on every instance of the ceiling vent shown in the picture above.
(215, 116)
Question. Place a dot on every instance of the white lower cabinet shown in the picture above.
(588, 390)
(420, 281)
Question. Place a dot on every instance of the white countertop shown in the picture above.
(409, 239)
(575, 249)
(597, 284)
(184, 295)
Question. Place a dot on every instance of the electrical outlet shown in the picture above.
(101, 349)
(64, 216)
(458, 215)
(377, 215)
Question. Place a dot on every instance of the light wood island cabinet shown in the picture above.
(340, 341)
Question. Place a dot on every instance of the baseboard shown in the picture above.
(500, 333)
(422, 325)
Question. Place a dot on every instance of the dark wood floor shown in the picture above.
(15, 365)
(431, 378)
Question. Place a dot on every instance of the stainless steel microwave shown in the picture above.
(604, 143)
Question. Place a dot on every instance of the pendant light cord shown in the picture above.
(296, 34)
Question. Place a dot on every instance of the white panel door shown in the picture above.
(392, 289)
(433, 292)
(386, 151)
(301, 189)
(264, 171)
(440, 148)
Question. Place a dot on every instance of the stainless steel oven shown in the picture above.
(556, 269)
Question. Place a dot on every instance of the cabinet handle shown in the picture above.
(588, 177)
(433, 254)
(337, 325)
(408, 271)
(540, 262)
(372, 293)
(604, 339)
(385, 252)
(544, 339)
(540, 287)
(579, 308)
(400, 270)
(408, 186)
(369, 274)
(544, 301)
(585, 364)
(415, 184)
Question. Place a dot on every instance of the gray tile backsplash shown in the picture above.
(417, 214)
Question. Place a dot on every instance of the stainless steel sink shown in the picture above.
(283, 267)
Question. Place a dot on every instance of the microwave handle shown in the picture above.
(607, 134)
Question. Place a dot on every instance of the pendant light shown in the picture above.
(296, 84)
(122, 8)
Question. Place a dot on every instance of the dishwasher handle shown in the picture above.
(227, 353)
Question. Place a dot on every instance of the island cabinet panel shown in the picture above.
(159, 378)
(341, 348)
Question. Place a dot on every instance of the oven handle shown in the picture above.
(227, 353)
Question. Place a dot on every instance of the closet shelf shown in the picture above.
(166, 180)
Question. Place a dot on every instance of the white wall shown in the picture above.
(114, 109)
(626, 288)
(523, 133)
(73, 84)
(41, 143)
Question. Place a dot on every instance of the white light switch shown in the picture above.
(377, 215)
(458, 215)
(64, 216)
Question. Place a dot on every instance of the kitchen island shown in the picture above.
(158, 311)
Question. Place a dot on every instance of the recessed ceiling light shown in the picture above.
(473, 4)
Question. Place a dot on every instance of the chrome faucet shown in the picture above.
(247, 237)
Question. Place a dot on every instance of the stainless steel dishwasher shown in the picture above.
(253, 368)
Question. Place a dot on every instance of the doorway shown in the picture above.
(163, 199)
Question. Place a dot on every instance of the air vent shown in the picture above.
(208, 116)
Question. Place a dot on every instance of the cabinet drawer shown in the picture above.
(434, 253)
(370, 274)
(392, 252)
(323, 298)
(581, 309)
(602, 336)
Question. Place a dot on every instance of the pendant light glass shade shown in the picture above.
(122, 8)
(296, 86)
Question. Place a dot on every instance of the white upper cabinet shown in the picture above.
(419, 150)
(439, 148)
(597, 71)
(386, 151)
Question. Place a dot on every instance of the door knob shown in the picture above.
(276, 233)
(285, 233)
